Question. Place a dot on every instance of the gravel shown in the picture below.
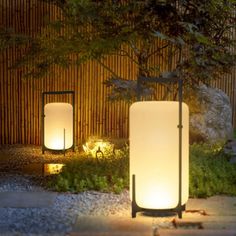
(59, 218)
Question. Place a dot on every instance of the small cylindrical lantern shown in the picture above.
(57, 123)
(58, 126)
(155, 154)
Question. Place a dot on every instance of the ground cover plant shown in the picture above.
(210, 172)
(107, 174)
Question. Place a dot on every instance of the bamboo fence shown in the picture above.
(20, 99)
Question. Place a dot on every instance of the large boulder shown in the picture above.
(210, 115)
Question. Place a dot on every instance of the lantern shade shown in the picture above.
(154, 154)
(58, 126)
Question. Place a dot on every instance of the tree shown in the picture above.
(198, 32)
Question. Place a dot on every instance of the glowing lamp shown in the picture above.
(52, 169)
(98, 147)
(58, 125)
(155, 156)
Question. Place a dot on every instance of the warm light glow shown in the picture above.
(94, 145)
(52, 169)
(58, 117)
(154, 153)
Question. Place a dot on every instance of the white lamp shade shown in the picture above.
(58, 119)
(154, 153)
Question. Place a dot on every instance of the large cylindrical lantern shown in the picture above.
(57, 123)
(155, 152)
(58, 126)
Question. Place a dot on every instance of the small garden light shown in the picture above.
(51, 169)
(57, 124)
(159, 162)
(98, 147)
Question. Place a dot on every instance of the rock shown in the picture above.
(210, 115)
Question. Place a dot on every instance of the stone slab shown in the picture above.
(26, 199)
(197, 218)
(162, 233)
(216, 205)
(207, 222)
(110, 224)
(140, 226)
(212, 216)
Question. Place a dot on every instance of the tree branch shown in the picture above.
(126, 54)
(106, 67)
(158, 50)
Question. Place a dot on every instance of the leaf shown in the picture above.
(190, 27)
(201, 38)
(161, 36)
(180, 41)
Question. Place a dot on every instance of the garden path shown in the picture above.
(212, 216)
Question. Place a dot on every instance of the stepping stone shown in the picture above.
(26, 199)
(214, 206)
(104, 224)
(216, 216)
(163, 233)
(140, 226)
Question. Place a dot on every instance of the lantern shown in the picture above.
(58, 124)
(159, 161)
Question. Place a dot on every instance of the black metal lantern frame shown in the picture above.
(44, 148)
(179, 208)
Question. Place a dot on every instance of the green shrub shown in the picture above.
(108, 174)
(210, 172)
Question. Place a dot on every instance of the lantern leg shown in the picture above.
(133, 213)
(43, 148)
(180, 211)
(64, 141)
(134, 205)
(180, 214)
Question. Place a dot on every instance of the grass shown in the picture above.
(235, 133)
(210, 173)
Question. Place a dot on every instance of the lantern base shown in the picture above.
(44, 148)
(158, 214)
(153, 212)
